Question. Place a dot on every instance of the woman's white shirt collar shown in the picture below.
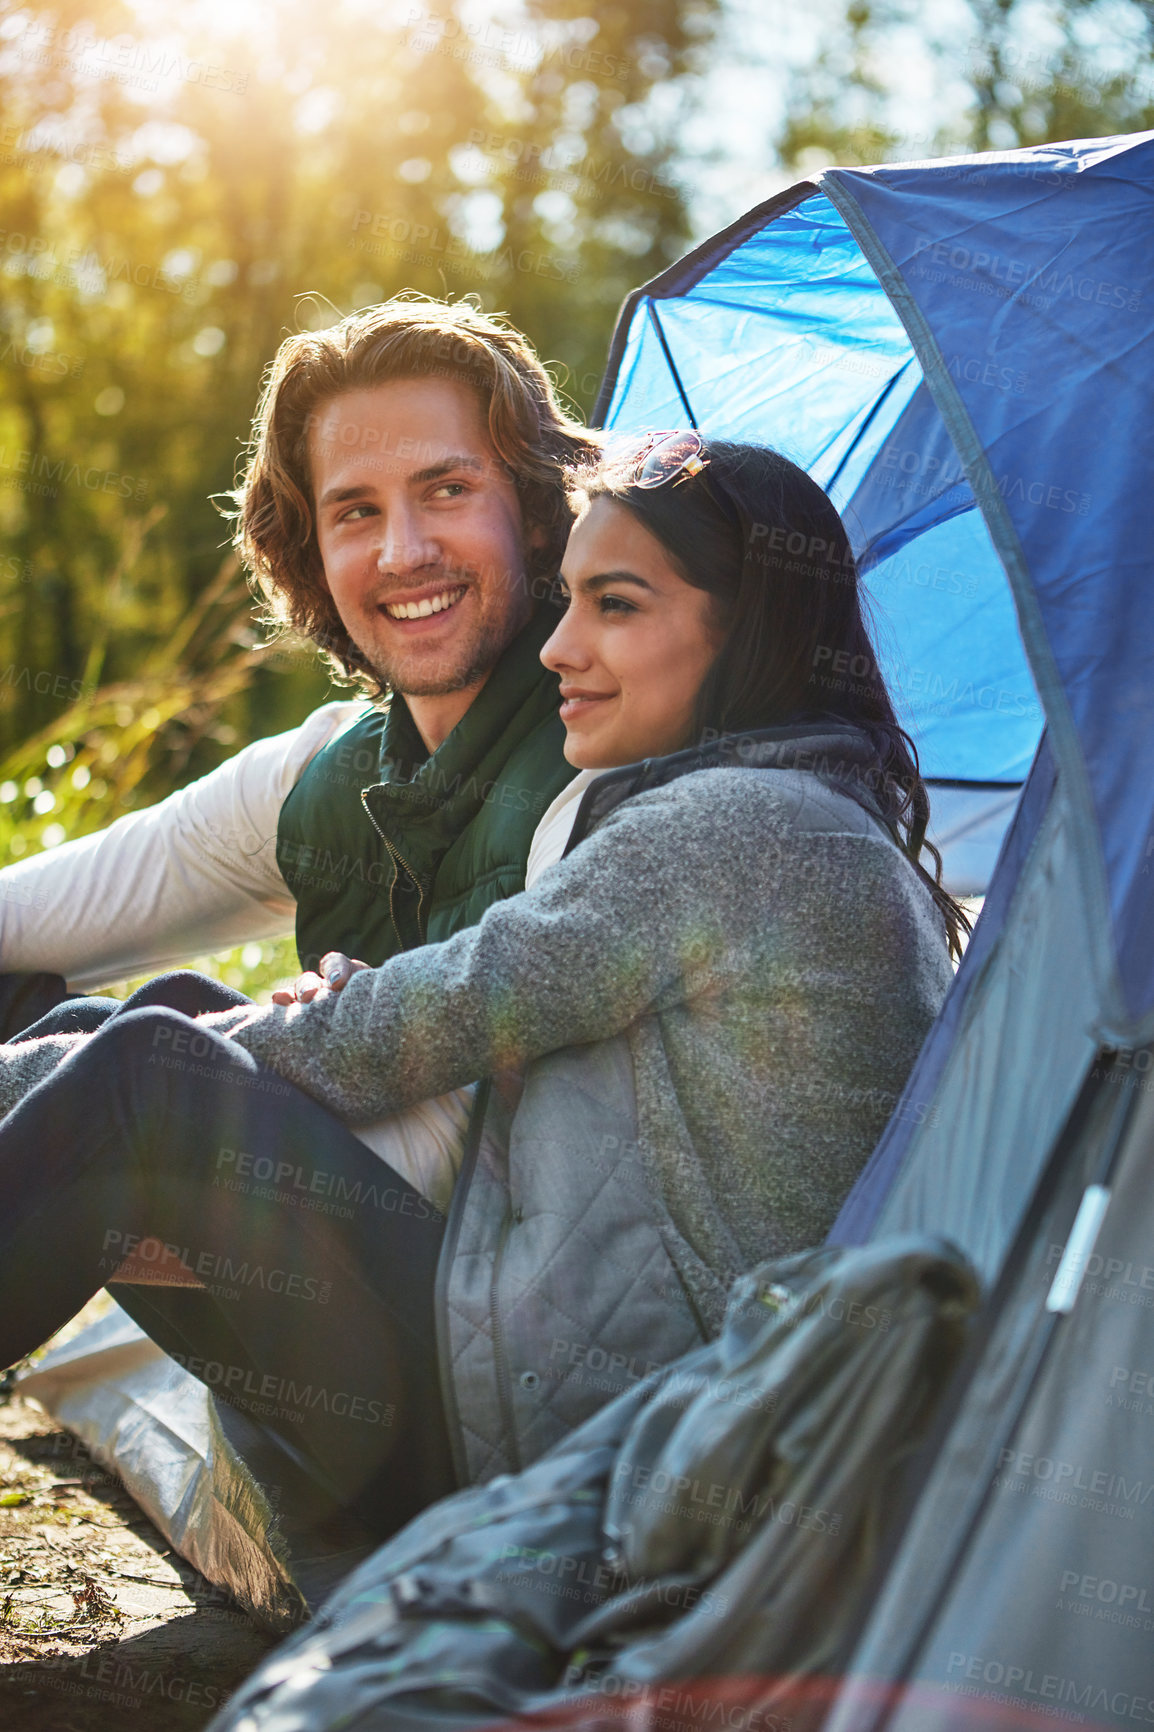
(552, 833)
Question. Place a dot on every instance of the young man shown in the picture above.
(403, 507)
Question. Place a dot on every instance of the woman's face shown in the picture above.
(634, 646)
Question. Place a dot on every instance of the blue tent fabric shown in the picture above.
(961, 353)
(792, 340)
(859, 1215)
(1043, 261)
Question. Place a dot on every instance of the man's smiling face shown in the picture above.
(421, 536)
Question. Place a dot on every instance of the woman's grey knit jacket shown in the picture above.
(715, 1001)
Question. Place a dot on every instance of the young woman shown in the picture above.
(687, 1035)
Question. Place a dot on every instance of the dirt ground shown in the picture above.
(98, 1616)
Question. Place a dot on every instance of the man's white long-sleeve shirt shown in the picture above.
(194, 874)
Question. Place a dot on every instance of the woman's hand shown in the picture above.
(336, 971)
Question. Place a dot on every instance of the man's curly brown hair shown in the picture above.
(405, 338)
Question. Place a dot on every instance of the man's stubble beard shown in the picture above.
(480, 658)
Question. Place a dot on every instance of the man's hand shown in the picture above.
(335, 972)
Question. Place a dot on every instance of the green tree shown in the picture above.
(1073, 69)
(168, 201)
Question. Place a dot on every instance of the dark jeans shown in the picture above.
(315, 1317)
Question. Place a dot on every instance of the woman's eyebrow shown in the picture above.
(601, 578)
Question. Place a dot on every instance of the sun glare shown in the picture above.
(221, 20)
(250, 21)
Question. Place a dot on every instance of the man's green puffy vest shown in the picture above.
(386, 847)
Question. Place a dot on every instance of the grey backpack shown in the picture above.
(710, 1533)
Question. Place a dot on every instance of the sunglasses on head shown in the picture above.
(657, 458)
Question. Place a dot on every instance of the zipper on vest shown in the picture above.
(400, 864)
(444, 1275)
(500, 1357)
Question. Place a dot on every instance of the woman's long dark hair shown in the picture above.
(756, 532)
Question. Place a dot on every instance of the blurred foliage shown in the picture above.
(254, 969)
(157, 242)
(99, 758)
(183, 184)
(995, 75)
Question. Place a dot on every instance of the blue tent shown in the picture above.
(962, 353)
